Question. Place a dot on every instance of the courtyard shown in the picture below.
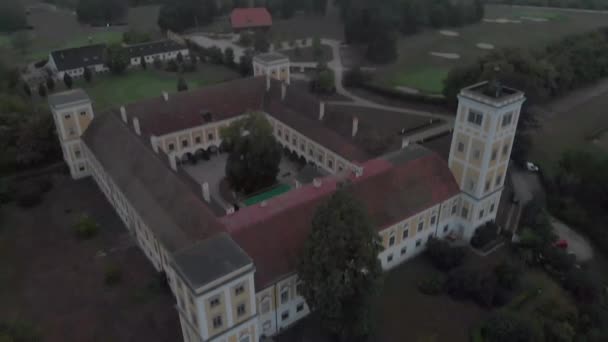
(55, 282)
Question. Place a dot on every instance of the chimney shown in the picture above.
(154, 143)
(283, 91)
(165, 96)
(267, 82)
(355, 126)
(206, 195)
(136, 126)
(173, 161)
(317, 183)
(123, 114)
(404, 143)
(321, 110)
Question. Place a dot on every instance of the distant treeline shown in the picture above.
(558, 68)
(586, 4)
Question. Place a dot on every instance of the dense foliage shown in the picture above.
(587, 4)
(253, 162)
(180, 15)
(558, 68)
(135, 37)
(12, 15)
(443, 256)
(339, 267)
(101, 12)
(117, 59)
(510, 327)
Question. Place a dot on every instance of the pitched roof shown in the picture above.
(68, 97)
(250, 18)
(153, 48)
(79, 57)
(270, 57)
(209, 260)
(184, 109)
(166, 204)
(392, 188)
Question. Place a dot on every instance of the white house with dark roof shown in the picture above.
(73, 61)
(233, 273)
(163, 50)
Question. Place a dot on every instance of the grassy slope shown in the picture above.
(414, 50)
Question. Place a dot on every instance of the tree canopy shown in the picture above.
(12, 15)
(101, 11)
(339, 266)
(117, 58)
(180, 15)
(253, 162)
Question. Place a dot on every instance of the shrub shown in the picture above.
(356, 77)
(29, 194)
(443, 256)
(432, 286)
(45, 184)
(86, 228)
(112, 275)
(172, 66)
(580, 284)
(508, 275)
(484, 235)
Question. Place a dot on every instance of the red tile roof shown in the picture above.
(242, 18)
(392, 189)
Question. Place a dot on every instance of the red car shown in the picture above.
(562, 244)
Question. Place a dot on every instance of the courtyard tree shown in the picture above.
(67, 80)
(117, 58)
(88, 75)
(181, 84)
(253, 162)
(21, 41)
(339, 266)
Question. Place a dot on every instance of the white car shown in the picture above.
(531, 167)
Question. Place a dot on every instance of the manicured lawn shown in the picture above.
(414, 51)
(276, 191)
(111, 90)
(428, 80)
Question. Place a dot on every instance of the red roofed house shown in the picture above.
(250, 18)
(233, 274)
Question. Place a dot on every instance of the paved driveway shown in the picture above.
(577, 244)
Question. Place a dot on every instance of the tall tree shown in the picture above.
(67, 80)
(339, 266)
(180, 15)
(117, 58)
(12, 15)
(253, 163)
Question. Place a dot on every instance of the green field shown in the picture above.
(112, 90)
(274, 192)
(416, 68)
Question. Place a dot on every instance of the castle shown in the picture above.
(232, 271)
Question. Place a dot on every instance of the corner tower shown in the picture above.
(72, 113)
(274, 65)
(481, 148)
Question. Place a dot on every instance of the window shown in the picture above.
(477, 154)
(285, 315)
(494, 152)
(81, 168)
(245, 339)
(498, 180)
(330, 164)
(241, 309)
(185, 143)
(460, 147)
(71, 131)
(465, 212)
(481, 214)
(487, 186)
(299, 289)
(403, 250)
(389, 258)
(210, 136)
(506, 120)
(294, 141)
(77, 153)
(300, 307)
(433, 220)
(320, 158)
(67, 116)
(239, 289)
(197, 140)
(418, 242)
(492, 208)
(217, 322)
(430, 237)
(266, 325)
(471, 185)
(214, 302)
(171, 147)
(420, 226)
(445, 228)
(265, 305)
(505, 149)
(454, 208)
(310, 152)
(284, 295)
(475, 117)
(391, 241)
(83, 113)
(286, 136)
(405, 233)
(302, 147)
